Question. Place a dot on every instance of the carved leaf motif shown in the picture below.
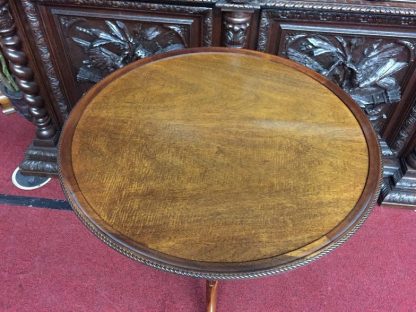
(151, 33)
(306, 60)
(320, 46)
(109, 49)
(383, 72)
(81, 42)
(178, 29)
(116, 31)
(367, 71)
(375, 57)
(103, 58)
(387, 82)
(98, 43)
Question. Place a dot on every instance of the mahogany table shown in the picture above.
(219, 164)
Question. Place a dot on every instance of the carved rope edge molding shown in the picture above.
(250, 4)
(45, 55)
(95, 2)
(347, 8)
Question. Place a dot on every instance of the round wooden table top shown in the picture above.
(219, 163)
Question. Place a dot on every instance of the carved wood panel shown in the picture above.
(236, 28)
(370, 70)
(372, 66)
(89, 44)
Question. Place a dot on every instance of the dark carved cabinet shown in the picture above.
(373, 67)
(57, 49)
(91, 44)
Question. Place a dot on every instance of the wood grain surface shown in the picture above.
(219, 157)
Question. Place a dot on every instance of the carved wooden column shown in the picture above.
(239, 24)
(40, 158)
(236, 29)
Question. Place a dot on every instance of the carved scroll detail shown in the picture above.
(236, 29)
(370, 77)
(12, 50)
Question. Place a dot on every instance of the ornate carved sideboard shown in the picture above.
(57, 49)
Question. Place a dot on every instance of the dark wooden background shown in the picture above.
(58, 49)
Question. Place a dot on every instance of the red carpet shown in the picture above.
(50, 262)
(16, 134)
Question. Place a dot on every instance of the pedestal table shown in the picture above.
(219, 164)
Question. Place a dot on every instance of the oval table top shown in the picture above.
(219, 163)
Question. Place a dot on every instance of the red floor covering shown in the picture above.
(16, 134)
(50, 262)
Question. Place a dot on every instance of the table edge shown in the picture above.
(211, 270)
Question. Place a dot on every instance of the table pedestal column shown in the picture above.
(212, 287)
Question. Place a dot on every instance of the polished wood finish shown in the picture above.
(212, 290)
(369, 51)
(214, 161)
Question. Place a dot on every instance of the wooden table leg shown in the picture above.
(212, 287)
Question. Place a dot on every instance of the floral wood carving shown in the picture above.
(366, 69)
(116, 45)
(236, 28)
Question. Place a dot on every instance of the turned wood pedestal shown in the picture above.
(219, 164)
